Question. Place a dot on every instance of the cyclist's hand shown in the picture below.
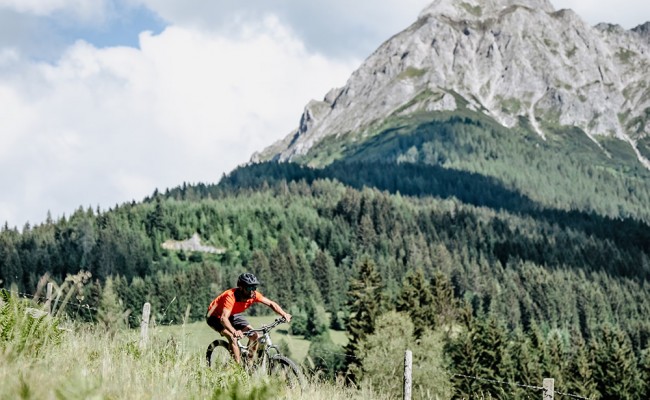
(238, 334)
(287, 317)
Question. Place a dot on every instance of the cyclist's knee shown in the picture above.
(227, 335)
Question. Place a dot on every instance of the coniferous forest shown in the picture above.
(499, 256)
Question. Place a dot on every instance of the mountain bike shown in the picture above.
(267, 358)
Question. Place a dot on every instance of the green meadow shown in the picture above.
(196, 336)
(43, 357)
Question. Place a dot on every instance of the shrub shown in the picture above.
(23, 329)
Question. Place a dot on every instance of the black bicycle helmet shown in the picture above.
(247, 279)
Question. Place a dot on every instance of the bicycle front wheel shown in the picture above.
(218, 354)
(286, 370)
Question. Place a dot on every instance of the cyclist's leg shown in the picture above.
(245, 326)
(216, 324)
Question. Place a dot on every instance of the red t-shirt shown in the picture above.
(227, 301)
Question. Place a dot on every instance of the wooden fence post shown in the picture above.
(549, 388)
(408, 368)
(48, 298)
(144, 324)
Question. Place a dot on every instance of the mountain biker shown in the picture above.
(224, 311)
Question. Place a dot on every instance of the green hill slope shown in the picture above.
(532, 237)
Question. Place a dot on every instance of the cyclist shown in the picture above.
(224, 311)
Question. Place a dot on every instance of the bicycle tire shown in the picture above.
(286, 370)
(218, 354)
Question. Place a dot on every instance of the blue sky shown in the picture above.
(104, 101)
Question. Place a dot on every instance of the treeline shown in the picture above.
(565, 171)
(303, 239)
(508, 261)
(462, 348)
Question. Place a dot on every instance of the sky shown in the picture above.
(104, 101)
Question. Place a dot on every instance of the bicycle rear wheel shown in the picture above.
(218, 354)
(287, 371)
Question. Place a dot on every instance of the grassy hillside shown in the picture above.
(67, 360)
(566, 170)
(197, 335)
(538, 251)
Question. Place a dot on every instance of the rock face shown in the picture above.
(510, 59)
(191, 244)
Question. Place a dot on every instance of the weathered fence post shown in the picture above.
(48, 298)
(408, 368)
(549, 388)
(144, 324)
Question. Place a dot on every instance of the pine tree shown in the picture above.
(260, 266)
(580, 376)
(479, 350)
(522, 363)
(366, 234)
(616, 372)
(644, 367)
(365, 301)
(554, 363)
(445, 305)
(111, 310)
(324, 270)
(416, 300)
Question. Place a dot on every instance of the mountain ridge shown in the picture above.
(508, 59)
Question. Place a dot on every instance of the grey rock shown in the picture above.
(191, 244)
(510, 59)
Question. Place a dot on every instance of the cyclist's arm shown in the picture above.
(276, 307)
(225, 321)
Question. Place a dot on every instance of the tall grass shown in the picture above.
(39, 360)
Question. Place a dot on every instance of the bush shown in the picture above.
(309, 323)
(383, 361)
(25, 330)
(325, 357)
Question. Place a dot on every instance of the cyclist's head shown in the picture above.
(247, 281)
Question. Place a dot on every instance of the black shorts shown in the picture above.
(237, 321)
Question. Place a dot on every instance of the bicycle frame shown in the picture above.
(264, 342)
(269, 359)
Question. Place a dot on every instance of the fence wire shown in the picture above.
(575, 396)
(500, 382)
(42, 299)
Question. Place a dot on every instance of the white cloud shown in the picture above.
(104, 126)
(338, 27)
(224, 79)
(83, 9)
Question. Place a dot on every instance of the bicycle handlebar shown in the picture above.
(266, 328)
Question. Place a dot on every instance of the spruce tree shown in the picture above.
(365, 301)
(644, 367)
(522, 363)
(111, 309)
(445, 305)
(324, 270)
(616, 372)
(580, 376)
(416, 300)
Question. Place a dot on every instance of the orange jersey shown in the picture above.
(227, 301)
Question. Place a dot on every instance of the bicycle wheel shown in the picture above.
(286, 370)
(218, 354)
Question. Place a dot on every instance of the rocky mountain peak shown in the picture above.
(643, 31)
(512, 60)
(480, 9)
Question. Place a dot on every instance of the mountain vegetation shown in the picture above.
(476, 209)
(501, 283)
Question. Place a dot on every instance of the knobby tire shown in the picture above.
(285, 368)
(217, 346)
(218, 355)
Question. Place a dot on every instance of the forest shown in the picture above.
(514, 283)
